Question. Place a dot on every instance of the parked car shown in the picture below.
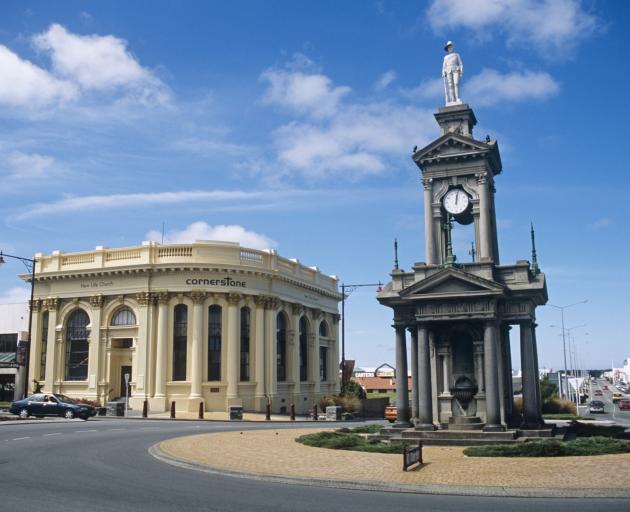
(598, 392)
(623, 404)
(617, 396)
(605, 386)
(597, 406)
(51, 404)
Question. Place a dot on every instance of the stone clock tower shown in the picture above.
(458, 315)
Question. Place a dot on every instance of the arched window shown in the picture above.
(180, 341)
(124, 316)
(281, 347)
(245, 329)
(77, 348)
(214, 343)
(303, 349)
(323, 329)
(44, 346)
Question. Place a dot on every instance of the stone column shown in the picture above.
(531, 407)
(270, 323)
(233, 348)
(485, 222)
(313, 354)
(143, 347)
(425, 398)
(51, 346)
(507, 369)
(294, 360)
(334, 354)
(540, 404)
(35, 348)
(493, 410)
(196, 367)
(414, 373)
(259, 352)
(402, 393)
(429, 234)
(479, 366)
(501, 374)
(94, 363)
(161, 345)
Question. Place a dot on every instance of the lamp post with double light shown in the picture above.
(346, 290)
(30, 266)
(564, 345)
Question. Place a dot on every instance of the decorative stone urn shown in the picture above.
(464, 391)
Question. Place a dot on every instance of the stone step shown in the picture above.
(464, 420)
(536, 433)
(466, 426)
(451, 435)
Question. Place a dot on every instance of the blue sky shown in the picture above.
(290, 125)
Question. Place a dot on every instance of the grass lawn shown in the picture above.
(564, 416)
(390, 394)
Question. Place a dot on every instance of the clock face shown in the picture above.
(456, 201)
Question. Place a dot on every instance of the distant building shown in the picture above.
(13, 328)
(381, 379)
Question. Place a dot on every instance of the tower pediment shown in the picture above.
(454, 146)
(452, 282)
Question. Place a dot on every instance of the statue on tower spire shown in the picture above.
(452, 71)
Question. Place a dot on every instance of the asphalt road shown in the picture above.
(613, 413)
(103, 465)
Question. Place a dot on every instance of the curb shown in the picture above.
(487, 491)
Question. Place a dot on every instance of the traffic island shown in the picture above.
(274, 455)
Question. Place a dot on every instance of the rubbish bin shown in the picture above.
(236, 412)
(333, 413)
(115, 408)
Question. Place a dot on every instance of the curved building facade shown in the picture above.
(208, 322)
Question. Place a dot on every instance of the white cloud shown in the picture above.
(490, 87)
(23, 84)
(99, 63)
(602, 223)
(21, 165)
(302, 92)
(385, 80)
(553, 26)
(203, 231)
(427, 89)
(16, 295)
(356, 142)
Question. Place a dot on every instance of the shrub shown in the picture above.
(324, 402)
(352, 388)
(559, 406)
(350, 403)
(552, 448)
(87, 401)
(348, 439)
(548, 389)
(587, 430)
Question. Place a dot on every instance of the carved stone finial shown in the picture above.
(427, 183)
(534, 264)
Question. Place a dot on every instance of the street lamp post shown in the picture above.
(567, 331)
(564, 346)
(30, 266)
(346, 290)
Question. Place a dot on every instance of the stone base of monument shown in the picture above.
(449, 437)
(465, 423)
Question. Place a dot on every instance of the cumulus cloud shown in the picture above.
(15, 295)
(19, 165)
(385, 80)
(202, 231)
(552, 26)
(23, 84)
(491, 87)
(301, 92)
(96, 62)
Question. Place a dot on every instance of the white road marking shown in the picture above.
(111, 429)
(54, 434)
(19, 438)
(93, 430)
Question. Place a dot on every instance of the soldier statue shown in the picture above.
(452, 70)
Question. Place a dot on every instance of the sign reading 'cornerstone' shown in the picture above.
(226, 281)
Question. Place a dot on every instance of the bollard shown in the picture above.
(315, 412)
(201, 409)
(268, 412)
(292, 412)
(173, 410)
(145, 408)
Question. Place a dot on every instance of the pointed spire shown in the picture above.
(534, 264)
(395, 253)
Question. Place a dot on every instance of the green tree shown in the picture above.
(352, 389)
(548, 389)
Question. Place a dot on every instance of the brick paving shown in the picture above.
(276, 453)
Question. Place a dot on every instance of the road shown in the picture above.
(612, 411)
(103, 465)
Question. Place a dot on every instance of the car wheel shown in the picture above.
(24, 413)
(69, 414)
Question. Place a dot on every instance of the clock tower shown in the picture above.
(458, 315)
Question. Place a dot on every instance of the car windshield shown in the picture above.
(64, 398)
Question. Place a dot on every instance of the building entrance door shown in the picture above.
(123, 384)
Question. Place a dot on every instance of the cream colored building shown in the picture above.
(207, 322)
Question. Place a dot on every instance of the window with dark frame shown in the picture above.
(281, 348)
(214, 342)
(245, 333)
(303, 349)
(43, 345)
(124, 316)
(323, 364)
(323, 329)
(77, 346)
(180, 341)
(8, 343)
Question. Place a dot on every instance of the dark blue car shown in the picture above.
(51, 404)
